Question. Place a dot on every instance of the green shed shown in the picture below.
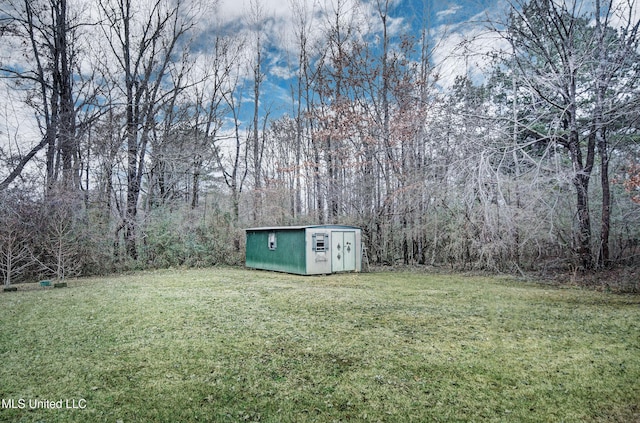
(305, 250)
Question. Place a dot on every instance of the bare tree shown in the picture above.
(16, 254)
(300, 92)
(143, 43)
(233, 158)
(211, 93)
(256, 24)
(48, 33)
(60, 241)
(545, 36)
(307, 145)
(335, 109)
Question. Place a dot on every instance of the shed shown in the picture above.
(305, 250)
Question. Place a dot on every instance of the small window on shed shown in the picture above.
(273, 243)
(319, 242)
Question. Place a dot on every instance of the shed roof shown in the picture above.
(291, 228)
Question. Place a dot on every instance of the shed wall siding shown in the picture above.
(288, 256)
(318, 262)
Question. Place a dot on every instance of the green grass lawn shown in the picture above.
(239, 345)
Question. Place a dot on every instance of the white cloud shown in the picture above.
(464, 50)
(240, 11)
(282, 72)
(283, 18)
(625, 12)
(448, 12)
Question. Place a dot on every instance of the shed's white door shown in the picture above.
(343, 251)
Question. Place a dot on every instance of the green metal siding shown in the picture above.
(288, 256)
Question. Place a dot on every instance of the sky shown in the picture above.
(451, 24)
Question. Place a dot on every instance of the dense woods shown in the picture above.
(149, 134)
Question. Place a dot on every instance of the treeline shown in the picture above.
(160, 140)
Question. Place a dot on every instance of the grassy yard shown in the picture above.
(238, 345)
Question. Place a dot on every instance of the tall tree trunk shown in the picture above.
(605, 224)
(195, 183)
(601, 141)
(63, 81)
(257, 150)
(582, 175)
